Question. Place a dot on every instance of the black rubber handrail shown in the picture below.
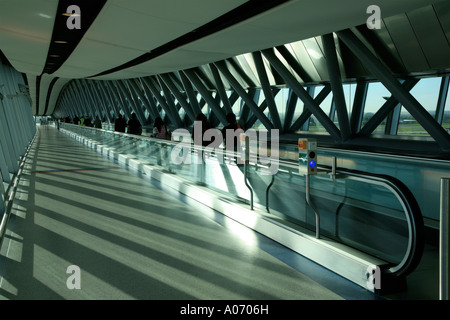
(414, 219)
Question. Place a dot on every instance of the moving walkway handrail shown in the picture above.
(414, 219)
(413, 215)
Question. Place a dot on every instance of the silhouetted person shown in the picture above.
(134, 126)
(97, 123)
(159, 129)
(233, 126)
(120, 124)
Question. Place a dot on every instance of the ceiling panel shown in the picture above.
(192, 11)
(126, 29)
(406, 42)
(129, 29)
(25, 32)
(98, 56)
(300, 52)
(431, 37)
(58, 86)
(442, 10)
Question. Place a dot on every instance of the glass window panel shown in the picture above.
(426, 93)
(377, 95)
(314, 124)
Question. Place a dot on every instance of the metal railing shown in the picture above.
(10, 193)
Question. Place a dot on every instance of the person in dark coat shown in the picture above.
(134, 126)
(120, 124)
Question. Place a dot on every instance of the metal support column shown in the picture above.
(136, 101)
(443, 95)
(268, 93)
(220, 88)
(336, 85)
(87, 103)
(190, 93)
(359, 102)
(444, 245)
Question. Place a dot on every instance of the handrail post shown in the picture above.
(443, 239)
(267, 193)
(308, 200)
(245, 152)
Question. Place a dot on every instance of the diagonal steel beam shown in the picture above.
(146, 93)
(336, 85)
(248, 100)
(221, 88)
(215, 107)
(121, 84)
(181, 99)
(109, 85)
(303, 94)
(358, 106)
(263, 107)
(190, 93)
(291, 105)
(307, 113)
(403, 96)
(139, 93)
(384, 111)
(106, 98)
(268, 93)
(174, 117)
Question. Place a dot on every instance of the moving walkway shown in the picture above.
(371, 226)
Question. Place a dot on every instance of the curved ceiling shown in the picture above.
(122, 39)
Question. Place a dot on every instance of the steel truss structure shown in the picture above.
(250, 86)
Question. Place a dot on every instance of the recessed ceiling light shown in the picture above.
(60, 41)
(43, 15)
(71, 14)
(55, 55)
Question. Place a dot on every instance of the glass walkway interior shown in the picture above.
(134, 238)
(87, 212)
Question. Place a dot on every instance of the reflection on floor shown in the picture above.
(130, 239)
(136, 239)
